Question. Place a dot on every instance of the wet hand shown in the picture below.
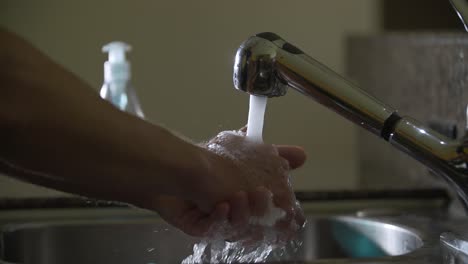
(255, 175)
(187, 216)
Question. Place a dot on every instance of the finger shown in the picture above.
(259, 201)
(255, 234)
(299, 215)
(285, 201)
(293, 219)
(295, 155)
(285, 231)
(286, 226)
(289, 226)
(246, 235)
(169, 206)
(187, 222)
(239, 205)
(206, 224)
(221, 212)
(235, 236)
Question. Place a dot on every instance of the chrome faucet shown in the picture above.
(266, 65)
(461, 7)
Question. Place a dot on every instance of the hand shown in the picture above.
(257, 174)
(234, 190)
(186, 215)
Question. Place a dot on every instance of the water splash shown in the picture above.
(217, 250)
(263, 241)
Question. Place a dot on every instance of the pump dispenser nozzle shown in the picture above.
(117, 88)
(116, 51)
(117, 66)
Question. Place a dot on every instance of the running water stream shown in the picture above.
(255, 122)
(215, 249)
(256, 118)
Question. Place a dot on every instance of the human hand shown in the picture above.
(258, 177)
(186, 216)
(244, 180)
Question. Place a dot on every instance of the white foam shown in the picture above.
(270, 218)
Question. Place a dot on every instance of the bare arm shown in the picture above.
(57, 132)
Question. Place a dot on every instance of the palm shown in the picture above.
(187, 216)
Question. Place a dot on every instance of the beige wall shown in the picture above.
(182, 65)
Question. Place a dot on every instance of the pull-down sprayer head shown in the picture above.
(254, 66)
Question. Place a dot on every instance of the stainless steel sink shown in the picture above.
(149, 240)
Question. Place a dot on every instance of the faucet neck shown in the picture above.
(264, 65)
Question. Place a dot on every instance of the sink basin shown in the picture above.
(150, 240)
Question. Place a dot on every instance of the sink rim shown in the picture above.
(424, 240)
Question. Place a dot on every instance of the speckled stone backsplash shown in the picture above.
(422, 75)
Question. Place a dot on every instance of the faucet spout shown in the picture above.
(267, 65)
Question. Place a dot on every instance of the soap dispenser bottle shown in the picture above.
(117, 88)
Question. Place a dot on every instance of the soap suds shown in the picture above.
(263, 240)
(268, 242)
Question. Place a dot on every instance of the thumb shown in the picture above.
(295, 155)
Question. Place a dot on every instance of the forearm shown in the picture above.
(57, 132)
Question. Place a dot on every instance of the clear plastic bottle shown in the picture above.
(117, 87)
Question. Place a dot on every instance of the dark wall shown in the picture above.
(431, 15)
